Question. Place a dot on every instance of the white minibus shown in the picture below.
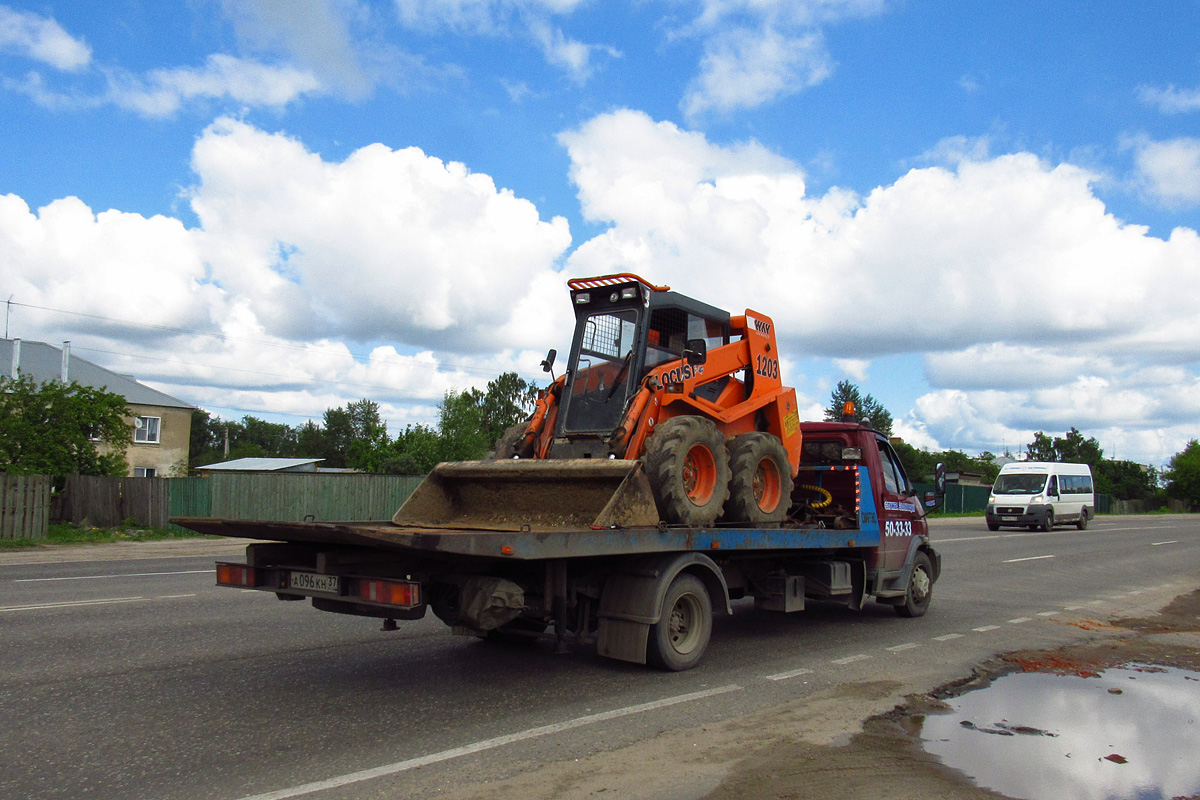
(1041, 494)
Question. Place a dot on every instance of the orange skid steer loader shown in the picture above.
(670, 411)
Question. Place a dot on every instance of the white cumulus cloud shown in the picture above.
(1034, 300)
(1169, 171)
(42, 39)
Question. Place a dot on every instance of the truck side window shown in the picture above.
(892, 476)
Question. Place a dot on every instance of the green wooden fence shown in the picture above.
(292, 496)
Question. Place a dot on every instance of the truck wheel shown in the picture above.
(506, 445)
(1048, 522)
(1083, 520)
(688, 470)
(993, 526)
(920, 588)
(760, 489)
(680, 637)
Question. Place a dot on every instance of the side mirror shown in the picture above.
(695, 351)
(548, 362)
(938, 495)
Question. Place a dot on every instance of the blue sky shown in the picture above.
(983, 214)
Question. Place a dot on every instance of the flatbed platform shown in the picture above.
(536, 545)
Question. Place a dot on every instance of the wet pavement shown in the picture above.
(1125, 732)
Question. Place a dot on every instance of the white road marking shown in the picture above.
(947, 637)
(986, 628)
(120, 575)
(850, 659)
(905, 646)
(1048, 613)
(1171, 541)
(795, 673)
(486, 744)
(1018, 620)
(174, 596)
(1031, 558)
(1073, 608)
(72, 604)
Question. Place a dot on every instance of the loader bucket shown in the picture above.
(529, 494)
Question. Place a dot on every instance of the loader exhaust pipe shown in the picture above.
(532, 494)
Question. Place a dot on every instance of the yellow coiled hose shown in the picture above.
(826, 497)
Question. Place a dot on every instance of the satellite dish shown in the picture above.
(137, 423)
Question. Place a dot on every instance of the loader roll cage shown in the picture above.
(625, 326)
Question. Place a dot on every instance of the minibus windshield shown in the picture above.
(1027, 483)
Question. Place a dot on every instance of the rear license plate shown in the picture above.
(311, 582)
(1008, 519)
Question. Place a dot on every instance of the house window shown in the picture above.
(144, 472)
(145, 429)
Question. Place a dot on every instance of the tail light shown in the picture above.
(239, 575)
(392, 593)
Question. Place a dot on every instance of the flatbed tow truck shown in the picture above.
(594, 525)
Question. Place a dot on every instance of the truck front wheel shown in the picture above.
(920, 588)
(680, 637)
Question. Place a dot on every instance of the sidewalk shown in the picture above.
(125, 551)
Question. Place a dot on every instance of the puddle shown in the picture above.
(1132, 732)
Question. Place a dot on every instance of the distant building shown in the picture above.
(161, 424)
(263, 465)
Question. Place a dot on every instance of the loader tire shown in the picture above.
(688, 468)
(760, 489)
(509, 444)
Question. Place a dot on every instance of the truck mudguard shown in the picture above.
(894, 586)
(633, 596)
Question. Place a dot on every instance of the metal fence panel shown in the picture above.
(24, 506)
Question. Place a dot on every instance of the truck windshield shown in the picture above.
(602, 372)
(1029, 483)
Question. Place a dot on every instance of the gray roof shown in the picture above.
(43, 362)
(261, 464)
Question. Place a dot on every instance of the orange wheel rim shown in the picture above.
(699, 474)
(768, 485)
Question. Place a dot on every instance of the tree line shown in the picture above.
(66, 429)
(356, 437)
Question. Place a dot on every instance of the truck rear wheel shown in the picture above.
(760, 490)
(688, 470)
(680, 637)
(920, 588)
(1048, 522)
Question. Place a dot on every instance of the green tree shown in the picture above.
(509, 399)
(1126, 480)
(866, 409)
(61, 429)
(1069, 448)
(1183, 475)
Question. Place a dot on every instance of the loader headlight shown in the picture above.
(629, 292)
(583, 298)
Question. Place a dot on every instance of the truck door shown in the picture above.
(899, 514)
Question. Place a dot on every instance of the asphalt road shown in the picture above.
(137, 678)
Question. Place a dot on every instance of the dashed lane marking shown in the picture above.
(986, 628)
(850, 659)
(486, 744)
(795, 673)
(118, 575)
(72, 604)
(1018, 620)
(905, 646)
(1030, 558)
(947, 637)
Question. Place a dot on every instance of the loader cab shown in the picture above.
(624, 327)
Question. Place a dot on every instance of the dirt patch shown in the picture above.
(820, 747)
(886, 758)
